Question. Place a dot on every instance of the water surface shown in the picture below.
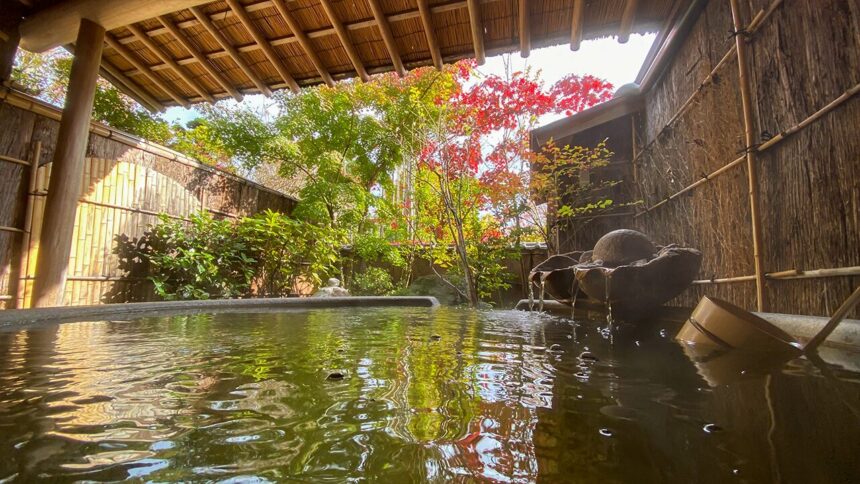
(439, 395)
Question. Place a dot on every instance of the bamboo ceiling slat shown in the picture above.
(226, 48)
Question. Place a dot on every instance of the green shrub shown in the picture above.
(202, 259)
(207, 258)
(373, 281)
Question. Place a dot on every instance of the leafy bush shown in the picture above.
(286, 249)
(200, 260)
(373, 281)
(207, 258)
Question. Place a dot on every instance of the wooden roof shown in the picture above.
(213, 50)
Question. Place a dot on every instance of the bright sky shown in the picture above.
(604, 58)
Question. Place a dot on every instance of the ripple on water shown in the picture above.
(426, 395)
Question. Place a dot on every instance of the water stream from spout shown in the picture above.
(543, 276)
(531, 292)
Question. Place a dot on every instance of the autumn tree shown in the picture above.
(477, 150)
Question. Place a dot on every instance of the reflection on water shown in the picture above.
(426, 395)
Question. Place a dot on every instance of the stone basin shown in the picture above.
(625, 271)
(633, 290)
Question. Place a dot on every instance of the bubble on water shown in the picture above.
(663, 333)
(435, 337)
(587, 355)
(712, 428)
(555, 348)
(335, 375)
(606, 432)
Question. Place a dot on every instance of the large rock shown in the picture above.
(623, 246)
(332, 289)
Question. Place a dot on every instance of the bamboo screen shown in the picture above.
(126, 184)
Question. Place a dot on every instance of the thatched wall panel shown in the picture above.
(803, 57)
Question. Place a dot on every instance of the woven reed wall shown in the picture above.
(124, 188)
(805, 55)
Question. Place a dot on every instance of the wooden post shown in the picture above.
(749, 139)
(64, 188)
(8, 48)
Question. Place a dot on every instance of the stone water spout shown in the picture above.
(625, 270)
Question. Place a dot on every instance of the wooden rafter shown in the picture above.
(131, 59)
(427, 21)
(387, 36)
(57, 24)
(345, 40)
(200, 58)
(129, 88)
(167, 59)
(627, 18)
(525, 28)
(303, 40)
(477, 28)
(264, 44)
(124, 84)
(576, 24)
(314, 34)
(231, 51)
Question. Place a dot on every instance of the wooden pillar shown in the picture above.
(749, 139)
(8, 48)
(64, 188)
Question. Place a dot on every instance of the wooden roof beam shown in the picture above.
(131, 59)
(264, 44)
(427, 21)
(387, 36)
(576, 24)
(207, 24)
(129, 88)
(627, 18)
(124, 84)
(58, 24)
(525, 28)
(167, 59)
(477, 27)
(200, 58)
(304, 41)
(343, 35)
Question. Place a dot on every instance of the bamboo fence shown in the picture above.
(806, 189)
(127, 183)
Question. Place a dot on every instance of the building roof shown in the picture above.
(629, 98)
(180, 52)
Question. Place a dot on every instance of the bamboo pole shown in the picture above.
(851, 271)
(29, 206)
(745, 82)
(847, 95)
(751, 29)
(834, 321)
(68, 167)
